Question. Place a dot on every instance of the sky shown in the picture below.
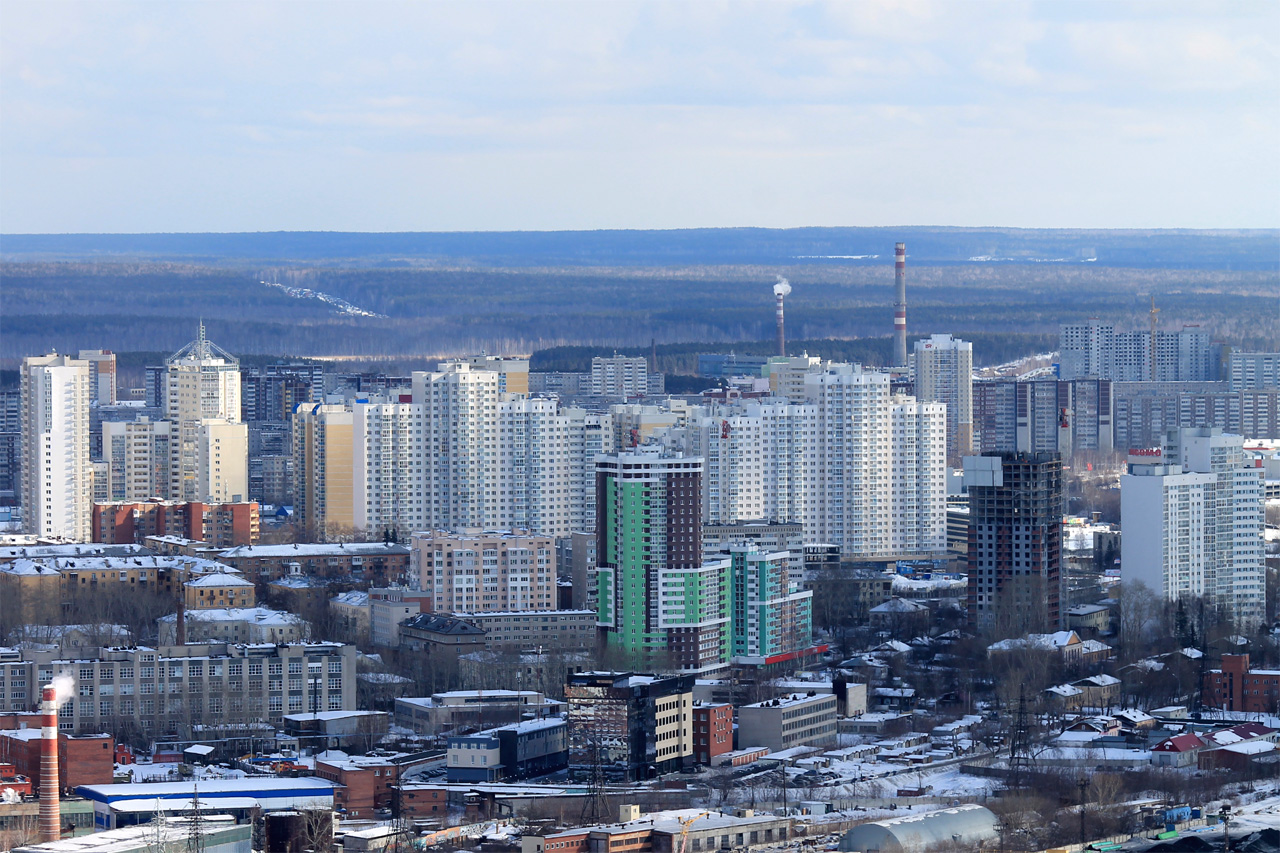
(441, 116)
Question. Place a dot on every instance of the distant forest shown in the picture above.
(535, 292)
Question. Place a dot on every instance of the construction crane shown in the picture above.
(685, 823)
(1155, 315)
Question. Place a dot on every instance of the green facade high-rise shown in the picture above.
(658, 602)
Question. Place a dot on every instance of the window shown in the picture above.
(256, 669)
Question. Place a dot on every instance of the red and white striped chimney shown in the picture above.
(50, 813)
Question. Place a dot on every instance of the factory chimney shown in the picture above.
(50, 813)
(900, 305)
(780, 290)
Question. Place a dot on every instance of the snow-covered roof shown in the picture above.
(219, 579)
(1066, 691)
(348, 549)
(900, 605)
(790, 700)
(1046, 642)
(354, 598)
(256, 615)
(1102, 680)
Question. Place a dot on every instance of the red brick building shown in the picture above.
(416, 801)
(1236, 687)
(220, 525)
(368, 783)
(712, 731)
(86, 760)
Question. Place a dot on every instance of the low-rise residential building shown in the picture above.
(789, 721)
(352, 611)
(388, 609)
(220, 525)
(358, 563)
(219, 591)
(235, 625)
(440, 637)
(537, 630)
(681, 831)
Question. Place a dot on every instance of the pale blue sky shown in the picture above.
(382, 116)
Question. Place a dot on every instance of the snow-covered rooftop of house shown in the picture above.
(900, 605)
(355, 549)
(1094, 646)
(13, 552)
(219, 579)
(46, 565)
(256, 615)
(1064, 690)
(1047, 642)
(1253, 747)
(354, 598)
(1102, 680)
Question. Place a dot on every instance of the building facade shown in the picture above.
(57, 484)
(1016, 504)
(793, 720)
(630, 726)
(943, 369)
(1193, 522)
(656, 598)
(486, 572)
(170, 689)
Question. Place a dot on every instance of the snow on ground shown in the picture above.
(169, 772)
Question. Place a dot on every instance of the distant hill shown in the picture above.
(1157, 248)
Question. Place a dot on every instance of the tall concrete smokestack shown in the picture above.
(50, 815)
(780, 290)
(900, 305)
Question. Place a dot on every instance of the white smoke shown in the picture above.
(63, 687)
(782, 288)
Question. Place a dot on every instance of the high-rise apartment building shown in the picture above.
(1193, 522)
(857, 466)
(1093, 349)
(323, 454)
(202, 383)
(655, 596)
(880, 480)
(138, 455)
(1253, 370)
(102, 375)
(57, 483)
(620, 376)
(1146, 411)
(546, 474)
(771, 615)
(390, 492)
(460, 432)
(1016, 501)
(1044, 416)
(513, 373)
(222, 461)
(485, 573)
(943, 368)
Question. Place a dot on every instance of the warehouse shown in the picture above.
(125, 805)
(968, 825)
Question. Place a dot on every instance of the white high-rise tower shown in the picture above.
(202, 385)
(57, 480)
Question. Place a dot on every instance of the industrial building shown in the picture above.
(212, 834)
(970, 825)
(116, 806)
(517, 751)
(797, 719)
